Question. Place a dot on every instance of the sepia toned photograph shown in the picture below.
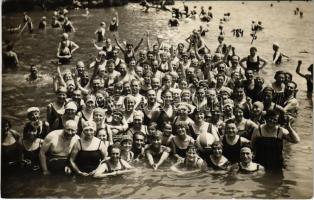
(157, 99)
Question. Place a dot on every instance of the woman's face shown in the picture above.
(217, 151)
(116, 117)
(33, 116)
(102, 135)
(98, 117)
(88, 133)
(183, 85)
(200, 116)
(201, 94)
(272, 121)
(167, 130)
(238, 113)
(156, 142)
(90, 105)
(228, 108)
(256, 110)
(126, 145)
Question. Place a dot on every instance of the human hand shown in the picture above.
(46, 172)
(67, 170)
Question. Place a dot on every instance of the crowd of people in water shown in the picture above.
(198, 109)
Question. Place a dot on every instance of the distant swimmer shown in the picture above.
(114, 24)
(301, 14)
(173, 22)
(308, 77)
(13, 29)
(27, 20)
(277, 56)
(34, 75)
(43, 23)
(10, 58)
(68, 26)
(100, 32)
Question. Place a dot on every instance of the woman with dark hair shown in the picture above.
(31, 145)
(267, 142)
(181, 141)
(11, 151)
(253, 61)
(279, 87)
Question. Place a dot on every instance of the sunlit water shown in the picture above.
(281, 25)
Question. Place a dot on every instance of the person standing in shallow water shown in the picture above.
(267, 142)
(308, 77)
(56, 149)
(10, 58)
(114, 24)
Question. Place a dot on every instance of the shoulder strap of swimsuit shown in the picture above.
(99, 144)
(80, 144)
(260, 130)
(278, 130)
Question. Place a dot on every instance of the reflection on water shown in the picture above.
(281, 25)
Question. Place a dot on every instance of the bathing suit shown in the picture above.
(245, 171)
(88, 160)
(210, 163)
(269, 151)
(32, 155)
(67, 27)
(178, 150)
(278, 61)
(57, 164)
(11, 155)
(113, 26)
(232, 152)
(252, 65)
(110, 170)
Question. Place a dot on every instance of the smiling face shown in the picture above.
(217, 150)
(33, 116)
(88, 133)
(246, 156)
(231, 130)
(139, 141)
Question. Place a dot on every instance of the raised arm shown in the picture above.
(292, 135)
(148, 41)
(298, 71)
(138, 45)
(119, 44)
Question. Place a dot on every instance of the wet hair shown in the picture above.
(217, 143)
(28, 128)
(253, 48)
(5, 121)
(181, 124)
(279, 72)
(9, 47)
(229, 121)
(270, 114)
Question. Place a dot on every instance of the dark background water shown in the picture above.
(281, 25)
